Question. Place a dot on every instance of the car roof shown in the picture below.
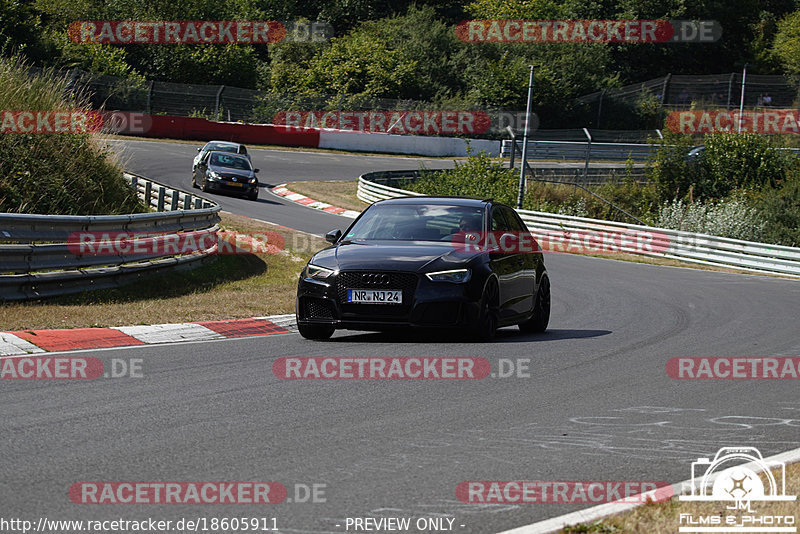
(440, 200)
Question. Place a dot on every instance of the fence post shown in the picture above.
(730, 88)
(134, 182)
(173, 205)
(162, 193)
(198, 203)
(665, 88)
(148, 192)
(149, 96)
(588, 153)
(216, 103)
(187, 201)
(600, 107)
(798, 95)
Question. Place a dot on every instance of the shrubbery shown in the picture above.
(54, 173)
(730, 162)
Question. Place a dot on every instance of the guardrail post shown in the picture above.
(134, 182)
(173, 205)
(187, 201)
(148, 193)
(162, 193)
(198, 203)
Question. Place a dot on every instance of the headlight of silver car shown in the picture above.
(317, 273)
(458, 276)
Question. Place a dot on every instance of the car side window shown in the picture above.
(514, 222)
(499, 223)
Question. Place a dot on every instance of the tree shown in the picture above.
(787, 43)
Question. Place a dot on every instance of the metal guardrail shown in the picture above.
(38, 257)
(685, 246)
(583, 150)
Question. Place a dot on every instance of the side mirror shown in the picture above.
(333, 236)
(199, 149)
(256, 170)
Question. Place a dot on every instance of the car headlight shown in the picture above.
(252, 180)
(458, 276)
(317, 273)
(213, 175)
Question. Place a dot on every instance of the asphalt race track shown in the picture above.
(598, 404)
(171, 163)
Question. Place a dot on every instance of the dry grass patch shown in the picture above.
(664, 518)
(227, 287)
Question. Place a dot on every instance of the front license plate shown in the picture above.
(235, 184)
(373, 296)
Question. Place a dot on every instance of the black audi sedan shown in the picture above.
(441, 262)
(223, 171)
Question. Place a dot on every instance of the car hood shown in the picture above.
(413, 256)
(227, 171)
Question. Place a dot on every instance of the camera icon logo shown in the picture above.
(738, 474)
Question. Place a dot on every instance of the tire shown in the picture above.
(253, 196)
(204, 186)
(194, 182)
(315, 331)
(541, 310)
(486, 328)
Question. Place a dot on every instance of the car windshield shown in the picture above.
(222, 148)
(416, 222)
(232, 162)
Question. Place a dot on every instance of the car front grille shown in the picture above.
(406, 282)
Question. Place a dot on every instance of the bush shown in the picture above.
(730, 162)
(479, 176)
(732, 217)
(55, 173)
(779, 209)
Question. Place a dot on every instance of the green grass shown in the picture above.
(56, 173)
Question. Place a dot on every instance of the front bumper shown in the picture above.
(425, 303)
(224, 185)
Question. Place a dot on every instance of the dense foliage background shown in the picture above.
(409, 50)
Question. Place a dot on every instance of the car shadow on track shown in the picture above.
(504, 335)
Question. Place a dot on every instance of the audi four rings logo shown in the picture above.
(375, 279)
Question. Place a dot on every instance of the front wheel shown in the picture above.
(541, 309)
(315, 331)
(487, 322)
